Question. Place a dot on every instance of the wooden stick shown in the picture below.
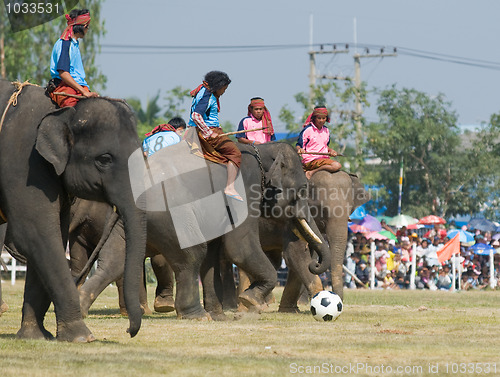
(239, 132)
(323, 154)
(83, 97)
(355, 277)
(68, 95)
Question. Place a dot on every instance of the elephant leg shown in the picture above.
(164, 300)
(243, 284)
(337, 238)
(245, 251)
(50, 281)
(121, 296)
(291, 293)
(36, 303)
(186, 264)
(212, 282)
(297, 255)
(3, 306)
(79, 255)
(143, 293)
(230, 295)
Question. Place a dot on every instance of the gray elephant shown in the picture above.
(272, 188)
(3, 305)
(89, 221)
(48, 155)
(332, 198)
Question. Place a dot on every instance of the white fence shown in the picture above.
(13, 266)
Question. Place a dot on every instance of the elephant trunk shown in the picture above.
(134, 223)
(308, 229)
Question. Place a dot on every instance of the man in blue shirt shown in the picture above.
(163, 136)
(66, 67)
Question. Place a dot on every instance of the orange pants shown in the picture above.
(314, 164)
(65, 101)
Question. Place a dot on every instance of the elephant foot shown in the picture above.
(123, 312)
(145, 309)
(31, 331)
(86, 301)
(292, 309)
(3, 308)
(242, 308)
(251, 302)
(75, 332)
(270, 299)
(164, 304)
(203, 316)
(218, 316)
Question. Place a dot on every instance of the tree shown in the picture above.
(25, 55)
(421, 131)
(177, 104)
(483, 186)
(148, 117)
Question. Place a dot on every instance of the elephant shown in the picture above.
(3, 305)
(89, 220)
(47, 156)
(272, 189)
(332, 198)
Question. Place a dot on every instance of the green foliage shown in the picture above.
(148, 117)
(440, 175)
(27, 53)
(178, 101)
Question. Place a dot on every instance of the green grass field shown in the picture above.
(380, 333)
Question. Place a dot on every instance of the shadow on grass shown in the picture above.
(8, 336)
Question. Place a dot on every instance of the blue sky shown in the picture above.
(458, 28)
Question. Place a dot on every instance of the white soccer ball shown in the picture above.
(326, 306)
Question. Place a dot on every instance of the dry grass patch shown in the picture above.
(377, 328)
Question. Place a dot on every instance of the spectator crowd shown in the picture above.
(393, 261)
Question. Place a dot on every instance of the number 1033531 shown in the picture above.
(475, 368)
(31, 8)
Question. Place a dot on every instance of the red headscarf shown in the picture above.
(266, 116)
(83, 19)
(195, 91)
(161, 127)
(318, 111)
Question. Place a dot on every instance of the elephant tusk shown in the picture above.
(298, 234)
(309, 231)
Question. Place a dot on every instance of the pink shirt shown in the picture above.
(249, 123)
(313, 140)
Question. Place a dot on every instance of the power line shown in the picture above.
(129, 49)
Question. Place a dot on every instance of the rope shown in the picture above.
(13, 98)
(13, 101)
(262, 173)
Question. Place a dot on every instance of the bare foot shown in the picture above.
(233, 195)
(309, 174)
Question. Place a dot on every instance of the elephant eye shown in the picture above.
(303, 193)
(104, 161)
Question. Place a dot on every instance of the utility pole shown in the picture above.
(312, 66)
(357, 82)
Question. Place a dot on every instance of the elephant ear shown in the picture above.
(274, 175)
(54, 138)
(361, 196)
